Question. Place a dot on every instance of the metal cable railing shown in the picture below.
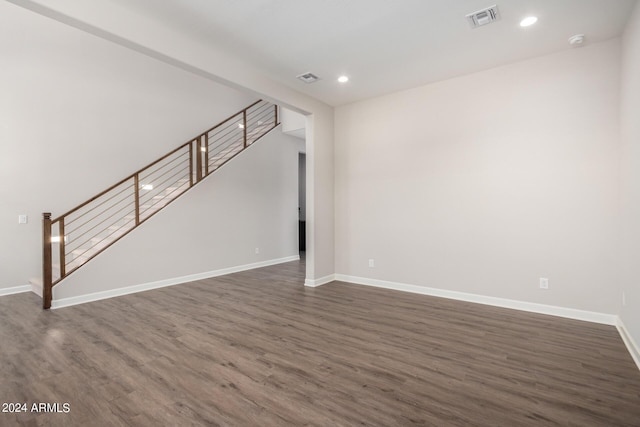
(74, 238)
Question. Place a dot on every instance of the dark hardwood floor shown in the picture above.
(258, 349)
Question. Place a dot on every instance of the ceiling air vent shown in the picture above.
(483, 17)
(308, 77)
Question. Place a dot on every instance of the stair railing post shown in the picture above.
(136, 195)
(191, 164)
(275, 109)
(244, 127)
(198, 159)
(63, 261)
(206, 154)
(46, 261)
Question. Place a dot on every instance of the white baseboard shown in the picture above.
(15, 290)
(36, 288)
(81, 299)
(313, 283)
(589, 316)
(632, 346)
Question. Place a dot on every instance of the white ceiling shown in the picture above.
(382, 45)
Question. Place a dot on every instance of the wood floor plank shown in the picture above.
(258, 348)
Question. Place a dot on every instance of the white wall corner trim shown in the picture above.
(81, 299)
(313, 283)
(570, 313)
(15, 290)
(632, 346)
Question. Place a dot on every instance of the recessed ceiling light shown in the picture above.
(343, 79)
(528, 21)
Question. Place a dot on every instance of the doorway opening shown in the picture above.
(294, 124)
(302, 200)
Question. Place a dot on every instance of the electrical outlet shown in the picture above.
(544, 283)
(23, 219)
(257, 251)
(372, 263)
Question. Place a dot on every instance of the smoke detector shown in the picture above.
(577, 40)
(308, 78)
(483, 17)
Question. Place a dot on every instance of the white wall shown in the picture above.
(77, 114)
(249, 203)
(630, 167)
(115, 22)
(485, 183)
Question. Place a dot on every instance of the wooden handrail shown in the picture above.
(232, 116)
(102, 193)
(107, 219)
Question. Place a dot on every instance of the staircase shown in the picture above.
(74, 238)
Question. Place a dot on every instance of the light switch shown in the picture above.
(23, 219)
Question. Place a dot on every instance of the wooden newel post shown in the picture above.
(275, 108)
(46, 261)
